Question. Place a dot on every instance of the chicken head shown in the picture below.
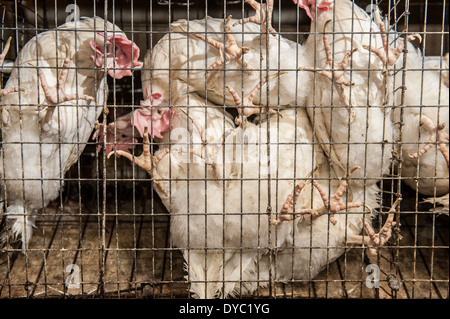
(159, 114)
(311, 5)
(154, 115)
(121, 55)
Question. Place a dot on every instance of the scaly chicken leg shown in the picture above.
(336, 75)
(246, 107)
(331, 205)
(443, 137)
(387, 54)
(5, 50)
(229, 51)
(375, 240)
(2, 58)
(260, 16)
(287, 211)
(55, 95)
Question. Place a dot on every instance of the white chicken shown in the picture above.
(421, 118)
(218, 192)
(47, 124)
(426, 118)
(219, 200)
(425, 114)
(349, 107)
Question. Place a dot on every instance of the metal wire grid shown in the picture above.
(110, 223)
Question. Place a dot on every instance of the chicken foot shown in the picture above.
(246, 107)
(2, 59)
(287, 211)
(146, 160)
(229, 51)
(261, 16)
(442, 138)
(375, 240)
(55, 95)
(336, 75)
(387, 54)
(331, 206)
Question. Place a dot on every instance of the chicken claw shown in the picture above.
(8, 91)
(5, 50)
(374, 240)
(387, 54)
(331, 205)
(246, 107)
(287, 211)
(442, 138)
(336, 75)
(146, 160)
(260, 15)
(2, 58)
(231, 51)
(55, 95)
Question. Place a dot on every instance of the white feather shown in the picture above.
(191, 56)
(361, 135)
(34, 160)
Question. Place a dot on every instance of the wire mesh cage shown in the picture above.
(171, 149)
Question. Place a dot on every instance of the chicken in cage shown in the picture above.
(216, 149)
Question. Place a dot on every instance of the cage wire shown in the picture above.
(109, 234)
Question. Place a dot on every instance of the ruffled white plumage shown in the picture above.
(35, 157)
